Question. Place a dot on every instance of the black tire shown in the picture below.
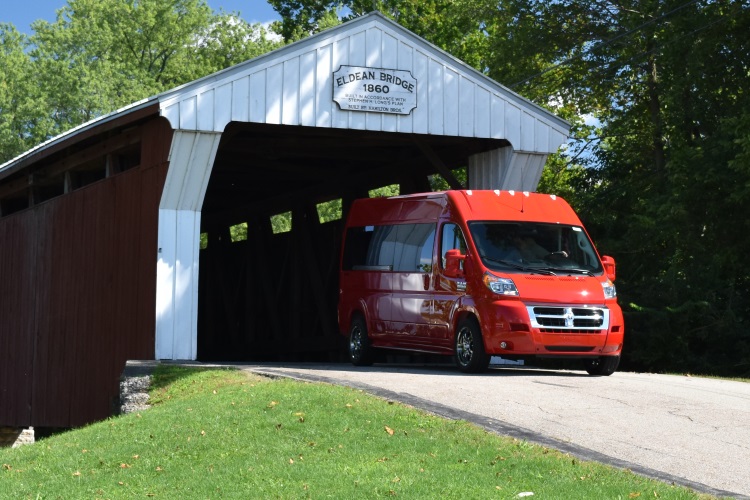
(604, 366)
(360, 349)
(470, 354)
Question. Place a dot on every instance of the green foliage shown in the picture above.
(666, 192)
(99, 56)
(450, 24)
(222, 433)
(281, 223)
(238, 232)
(329, 211)
(385, 191)
(23, 118)
(301, 19)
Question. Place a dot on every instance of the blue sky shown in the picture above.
(21, 13)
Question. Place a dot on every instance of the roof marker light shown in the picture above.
(497, 192)
(526, 194)
(553, 197)
(469, 192)
(512, 193)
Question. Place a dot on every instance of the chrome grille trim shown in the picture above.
(569, 318)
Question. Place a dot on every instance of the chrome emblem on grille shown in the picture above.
(569, 317)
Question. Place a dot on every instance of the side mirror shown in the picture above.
(453, 259)
(609, 266)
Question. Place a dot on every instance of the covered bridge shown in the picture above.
(101, 258)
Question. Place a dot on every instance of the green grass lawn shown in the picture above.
(224, 434)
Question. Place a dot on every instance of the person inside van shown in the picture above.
(496, 242)
(527, 246)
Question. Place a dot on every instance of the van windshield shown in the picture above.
(534, 247)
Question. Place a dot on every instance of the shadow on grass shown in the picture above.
(165, 375)
(172, 380)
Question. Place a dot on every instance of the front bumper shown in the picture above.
(514, 328)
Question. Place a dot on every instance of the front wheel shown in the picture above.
(470, 354)
(360, 350)
(606, 365)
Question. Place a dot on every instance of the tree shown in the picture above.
(23, 118)
(445, 23)
(99, 56)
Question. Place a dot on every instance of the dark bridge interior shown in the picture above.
(272, 295)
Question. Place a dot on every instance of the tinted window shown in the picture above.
(452, 237)
(528, 246)
(400, 247)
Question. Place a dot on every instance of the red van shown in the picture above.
(474, 274)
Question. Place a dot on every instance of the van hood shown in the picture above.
(568, 289)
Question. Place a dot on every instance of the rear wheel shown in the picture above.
(470, 354)
(360, 350)
(606, 365)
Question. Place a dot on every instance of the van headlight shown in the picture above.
(609, 289)
(500, 286)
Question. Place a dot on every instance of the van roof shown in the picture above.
(470, 204)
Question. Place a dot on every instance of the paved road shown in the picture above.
(688, 430)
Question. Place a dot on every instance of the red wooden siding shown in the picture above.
(77, 293)
(17, 254)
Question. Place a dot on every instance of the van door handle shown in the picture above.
(426, 281)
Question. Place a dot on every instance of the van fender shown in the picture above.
(462, 308)
(360, 307)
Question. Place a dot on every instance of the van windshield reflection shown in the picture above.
(535, 247)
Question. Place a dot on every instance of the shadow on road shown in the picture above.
(423, 369)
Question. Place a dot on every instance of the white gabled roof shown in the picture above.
(294, 86)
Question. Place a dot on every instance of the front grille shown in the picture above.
(569, 319)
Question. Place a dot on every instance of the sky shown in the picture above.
(21, 13)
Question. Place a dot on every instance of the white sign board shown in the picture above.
(357, 88)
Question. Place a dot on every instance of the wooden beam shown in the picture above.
(100, 150)
(111, 165)
(265, 270)
(438, 164)
(70, 182)
(317, 281)
(342, 184)
(60, 167)
(15, 186)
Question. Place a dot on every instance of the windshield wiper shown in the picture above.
(540, 270)
(569, 270)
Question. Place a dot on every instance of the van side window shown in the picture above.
(413, 252)
(396, 247)
(452, 237)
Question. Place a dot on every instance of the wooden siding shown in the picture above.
(77, 293)
(18, 242)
